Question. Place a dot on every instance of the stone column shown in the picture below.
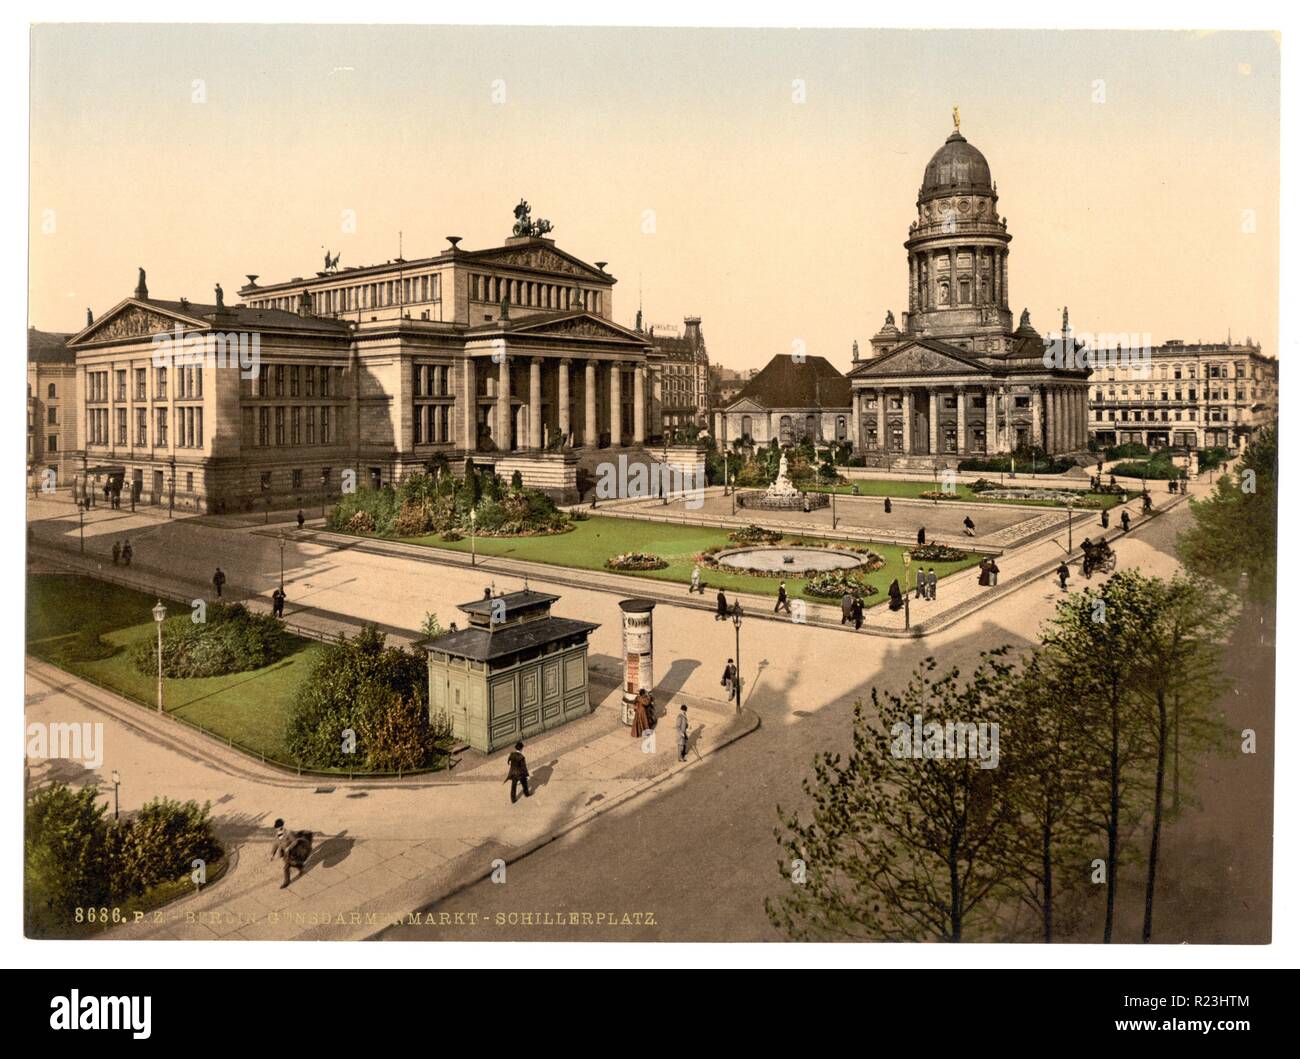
(502, 438)
(1036, 416)
(590, 428)
(855, 426)
(1052, 418)
(469, 433)
(934, 415)
(990, 420)
(638, 405)
(565, 426)
(535, 403)
(882, 423)
(961, 420)
(907, 422)
(952, 276)
(615, 404)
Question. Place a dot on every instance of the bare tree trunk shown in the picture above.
(1156, 817)
(1047, 877)
(1112, 825)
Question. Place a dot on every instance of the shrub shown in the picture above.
(516, 481)
(832, 584)
(415, 518)
(64, 844)
(753, 534)
(361, 522)
(1153, 468)
(85, 645)
(636, 561)
(353, 683)
(937, 553)
(232, 640)
(160, 843)
(1126, 451)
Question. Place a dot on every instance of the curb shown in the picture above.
(752, 724)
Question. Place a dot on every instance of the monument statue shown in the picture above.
(889, 317)
(221, 297)
(525, 225)
(1024, 318)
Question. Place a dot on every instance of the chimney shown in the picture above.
(693, 335)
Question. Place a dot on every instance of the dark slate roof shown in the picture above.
(514, 601)
(49, 347)
(816, 383)
(241, 316)
(484, 645)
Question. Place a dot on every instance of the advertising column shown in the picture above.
(638, 651)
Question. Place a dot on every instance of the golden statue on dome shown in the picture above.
(956, 117)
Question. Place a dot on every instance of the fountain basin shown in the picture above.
(793, 561)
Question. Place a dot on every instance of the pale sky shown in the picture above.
(678, 156)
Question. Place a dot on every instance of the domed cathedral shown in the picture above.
(957, 379)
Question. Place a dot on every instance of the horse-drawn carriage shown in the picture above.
(1098, 556)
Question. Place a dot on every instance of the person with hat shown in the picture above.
(518, 773)
(683, 728)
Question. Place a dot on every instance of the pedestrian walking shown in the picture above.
(277, 603)
(117, 552)
(895, 595)
(721, 614)
(920, 536)
(301, 518)
(1105, 519)
(1182, 486)
(683, 727)
(782, 600)
(127, 552)
(969, 526)
(857, 613)
(984, 572)
(1063, 574)
(1124, 520)
(846, 608)
(218, 580)
(293, 846)
(993, 573)
(889, 507)
(920, 583)
(729, 675)
(695, 580)
(518, 774)
(1146, 503)
(931, 584)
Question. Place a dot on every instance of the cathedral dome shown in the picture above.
(957, 167)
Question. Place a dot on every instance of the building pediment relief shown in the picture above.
(541, 259)
(583, 326)
(747, 405)
(919, 360)
(133, 320)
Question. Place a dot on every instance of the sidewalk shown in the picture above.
(382, 847)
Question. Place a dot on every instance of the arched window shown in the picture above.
(746, 427)
(841, 428)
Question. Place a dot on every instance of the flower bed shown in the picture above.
(636, 561)
(937, 553)
(870, 560)
(832, 584)
(755, 535)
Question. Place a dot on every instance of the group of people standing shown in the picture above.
(122, 552)
(851, 610)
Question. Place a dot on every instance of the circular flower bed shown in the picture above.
(834, 583)
(755, 535)
(937, 553)
(636, 561)
(870, 560)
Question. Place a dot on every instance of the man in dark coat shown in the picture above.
(127, 552)
(920, 583)
(683, 727)
(721, 614)
(518, 773)
(782, 600)
(640, 719)
(984, 572)
(993, 573)
(301, 518)
(969, 526)
(1063, 574)
(1105, 519)
(1124, 520)
(277, 603)
(931, 584)
(857, 612)
(846, 608)
(889, 507)
(117, 552)
(729, 680)
(218, 580)
(920, 536)
(293, 846)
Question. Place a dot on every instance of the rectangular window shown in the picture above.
(324, 426)
(297, 478)
(121, 385)
(141, 384)
(162, 422)
(161, 376)
(418, 425)
(189, 481)
(295, 425)
(264, 426)
(142, 427)
(279, 425)
(264, 381)
(324, 382)
(121, 426)
(311, 380)
(294, 372)
(279, 380)
(311, 425)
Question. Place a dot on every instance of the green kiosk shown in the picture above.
(516, 670)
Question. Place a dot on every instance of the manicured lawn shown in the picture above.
(600, 538)
(910, 489)
(251, 708)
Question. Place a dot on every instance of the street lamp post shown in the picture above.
(323, 485)
(833, 516)
(81, 518)
(736, 615)
(1069, 527)
(117, 782)
(171, 494)
(733, 494)
(282, 560)
(159, 616)
(473, 522)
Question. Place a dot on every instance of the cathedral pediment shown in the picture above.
(134, 319)
(921, 359)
